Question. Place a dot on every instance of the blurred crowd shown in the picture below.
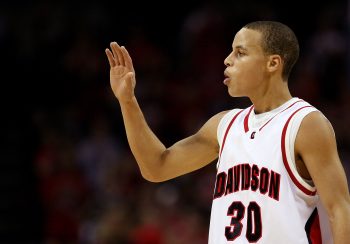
(88, 184)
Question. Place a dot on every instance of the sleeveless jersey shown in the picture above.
(259, 197)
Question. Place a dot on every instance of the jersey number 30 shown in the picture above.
(237, 211)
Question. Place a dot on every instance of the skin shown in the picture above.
(249, 72)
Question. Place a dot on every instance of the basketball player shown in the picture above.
(278, 169)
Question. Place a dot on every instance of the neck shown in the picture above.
(271, 97)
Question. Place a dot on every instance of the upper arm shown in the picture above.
(316, 145)
(193, 152)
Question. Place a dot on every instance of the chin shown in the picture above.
(235, 93)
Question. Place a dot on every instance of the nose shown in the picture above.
(227, 61)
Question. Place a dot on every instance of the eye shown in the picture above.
(239, 54)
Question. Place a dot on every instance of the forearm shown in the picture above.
(144, 144)
(339, 220)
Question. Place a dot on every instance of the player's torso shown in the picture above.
(255, 200)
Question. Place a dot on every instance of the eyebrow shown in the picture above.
(240, 47)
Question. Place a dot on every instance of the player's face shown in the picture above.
(246, 65)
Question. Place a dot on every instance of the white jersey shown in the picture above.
(259, 197)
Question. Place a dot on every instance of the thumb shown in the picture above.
(129, 75)
(130, 78)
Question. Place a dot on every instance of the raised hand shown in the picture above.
(122, 73)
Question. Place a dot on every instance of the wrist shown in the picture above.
(127, 101)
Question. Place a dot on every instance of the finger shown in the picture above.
(110, 58)
(127, 58)
(117, 53)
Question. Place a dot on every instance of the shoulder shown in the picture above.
(316, 123)
(221, 118)
(315, 133)
(209, 130)
(217, 117)
(214, 121)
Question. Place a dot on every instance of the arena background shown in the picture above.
(67, 174)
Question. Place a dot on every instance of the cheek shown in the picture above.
(251, 72)
(245, 78)
(245, 73)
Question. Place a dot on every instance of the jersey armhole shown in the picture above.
(223, 126)
(291, 133)
(224, 122)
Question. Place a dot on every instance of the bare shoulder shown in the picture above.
(209, 130)
(315, 134)
(316, 125)
(214, 121)
(217, 117)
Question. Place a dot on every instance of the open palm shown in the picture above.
(122, 74)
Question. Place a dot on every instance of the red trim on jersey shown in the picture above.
(227, 130)
(315, 231)
(284, 157)
(246, 128)
(279, 113)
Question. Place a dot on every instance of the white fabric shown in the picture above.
(256, 157)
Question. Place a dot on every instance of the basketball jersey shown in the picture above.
(259, 197)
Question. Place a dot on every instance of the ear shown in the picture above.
(274, 63)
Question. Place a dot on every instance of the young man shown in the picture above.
(278, 165)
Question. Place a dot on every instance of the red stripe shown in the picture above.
(279, 113)
(315, 231)
(246, 128)
(227, 130)
(285, 161)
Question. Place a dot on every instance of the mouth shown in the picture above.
(227, 78)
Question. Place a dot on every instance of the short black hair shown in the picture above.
(278, 38)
